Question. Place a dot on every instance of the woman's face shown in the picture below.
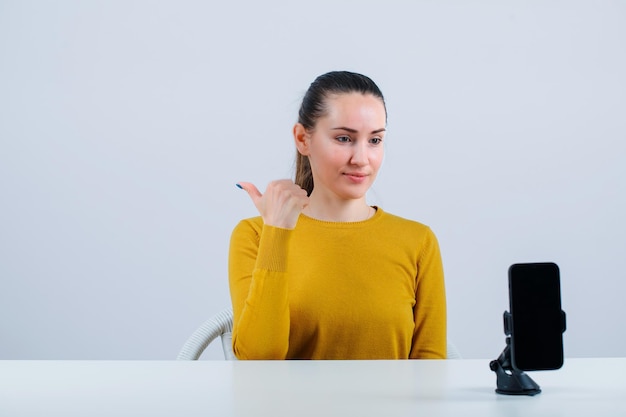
(345, 148)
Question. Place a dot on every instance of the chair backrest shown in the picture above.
(452, 351)
(219, 325)
(222, 325)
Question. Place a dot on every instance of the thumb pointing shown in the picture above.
(252, 191)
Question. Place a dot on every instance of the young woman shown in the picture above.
(320, 274)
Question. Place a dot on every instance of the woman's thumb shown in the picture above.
(252, 191)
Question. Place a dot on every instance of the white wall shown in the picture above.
(124, 126)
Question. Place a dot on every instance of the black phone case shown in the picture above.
(537, 321)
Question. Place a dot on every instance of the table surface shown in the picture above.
(583, 387)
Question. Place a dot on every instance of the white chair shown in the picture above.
(219, 325)
(452, 351)
(222, 325)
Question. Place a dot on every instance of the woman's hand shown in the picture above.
(281, 204)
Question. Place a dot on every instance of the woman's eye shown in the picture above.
(375, 141)
(343, 139)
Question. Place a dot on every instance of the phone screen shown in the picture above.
(537, 321)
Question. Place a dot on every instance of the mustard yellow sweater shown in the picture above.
(357, 290)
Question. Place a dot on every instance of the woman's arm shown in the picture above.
(257, 271)
(258, 288)
(429, 337)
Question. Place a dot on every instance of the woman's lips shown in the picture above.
(356, 177)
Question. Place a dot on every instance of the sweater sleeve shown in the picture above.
(257, 268)
(429, 336)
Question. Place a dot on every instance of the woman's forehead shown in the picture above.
(356, 108)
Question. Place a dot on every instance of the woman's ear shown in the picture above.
(301, 137)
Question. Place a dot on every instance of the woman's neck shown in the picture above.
(338, 211)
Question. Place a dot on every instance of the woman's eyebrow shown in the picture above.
(347, 129)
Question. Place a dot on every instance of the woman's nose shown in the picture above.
(359, 155)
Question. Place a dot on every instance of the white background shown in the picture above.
(124, 126)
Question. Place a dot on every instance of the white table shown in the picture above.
(583, 387)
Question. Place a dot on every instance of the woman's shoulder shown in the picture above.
(409, 232)
(393, 220)
(250, 225)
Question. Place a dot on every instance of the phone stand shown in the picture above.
(511, 381)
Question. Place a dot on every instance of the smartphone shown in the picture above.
(537, 320)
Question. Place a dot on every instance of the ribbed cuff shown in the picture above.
(273, 248)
